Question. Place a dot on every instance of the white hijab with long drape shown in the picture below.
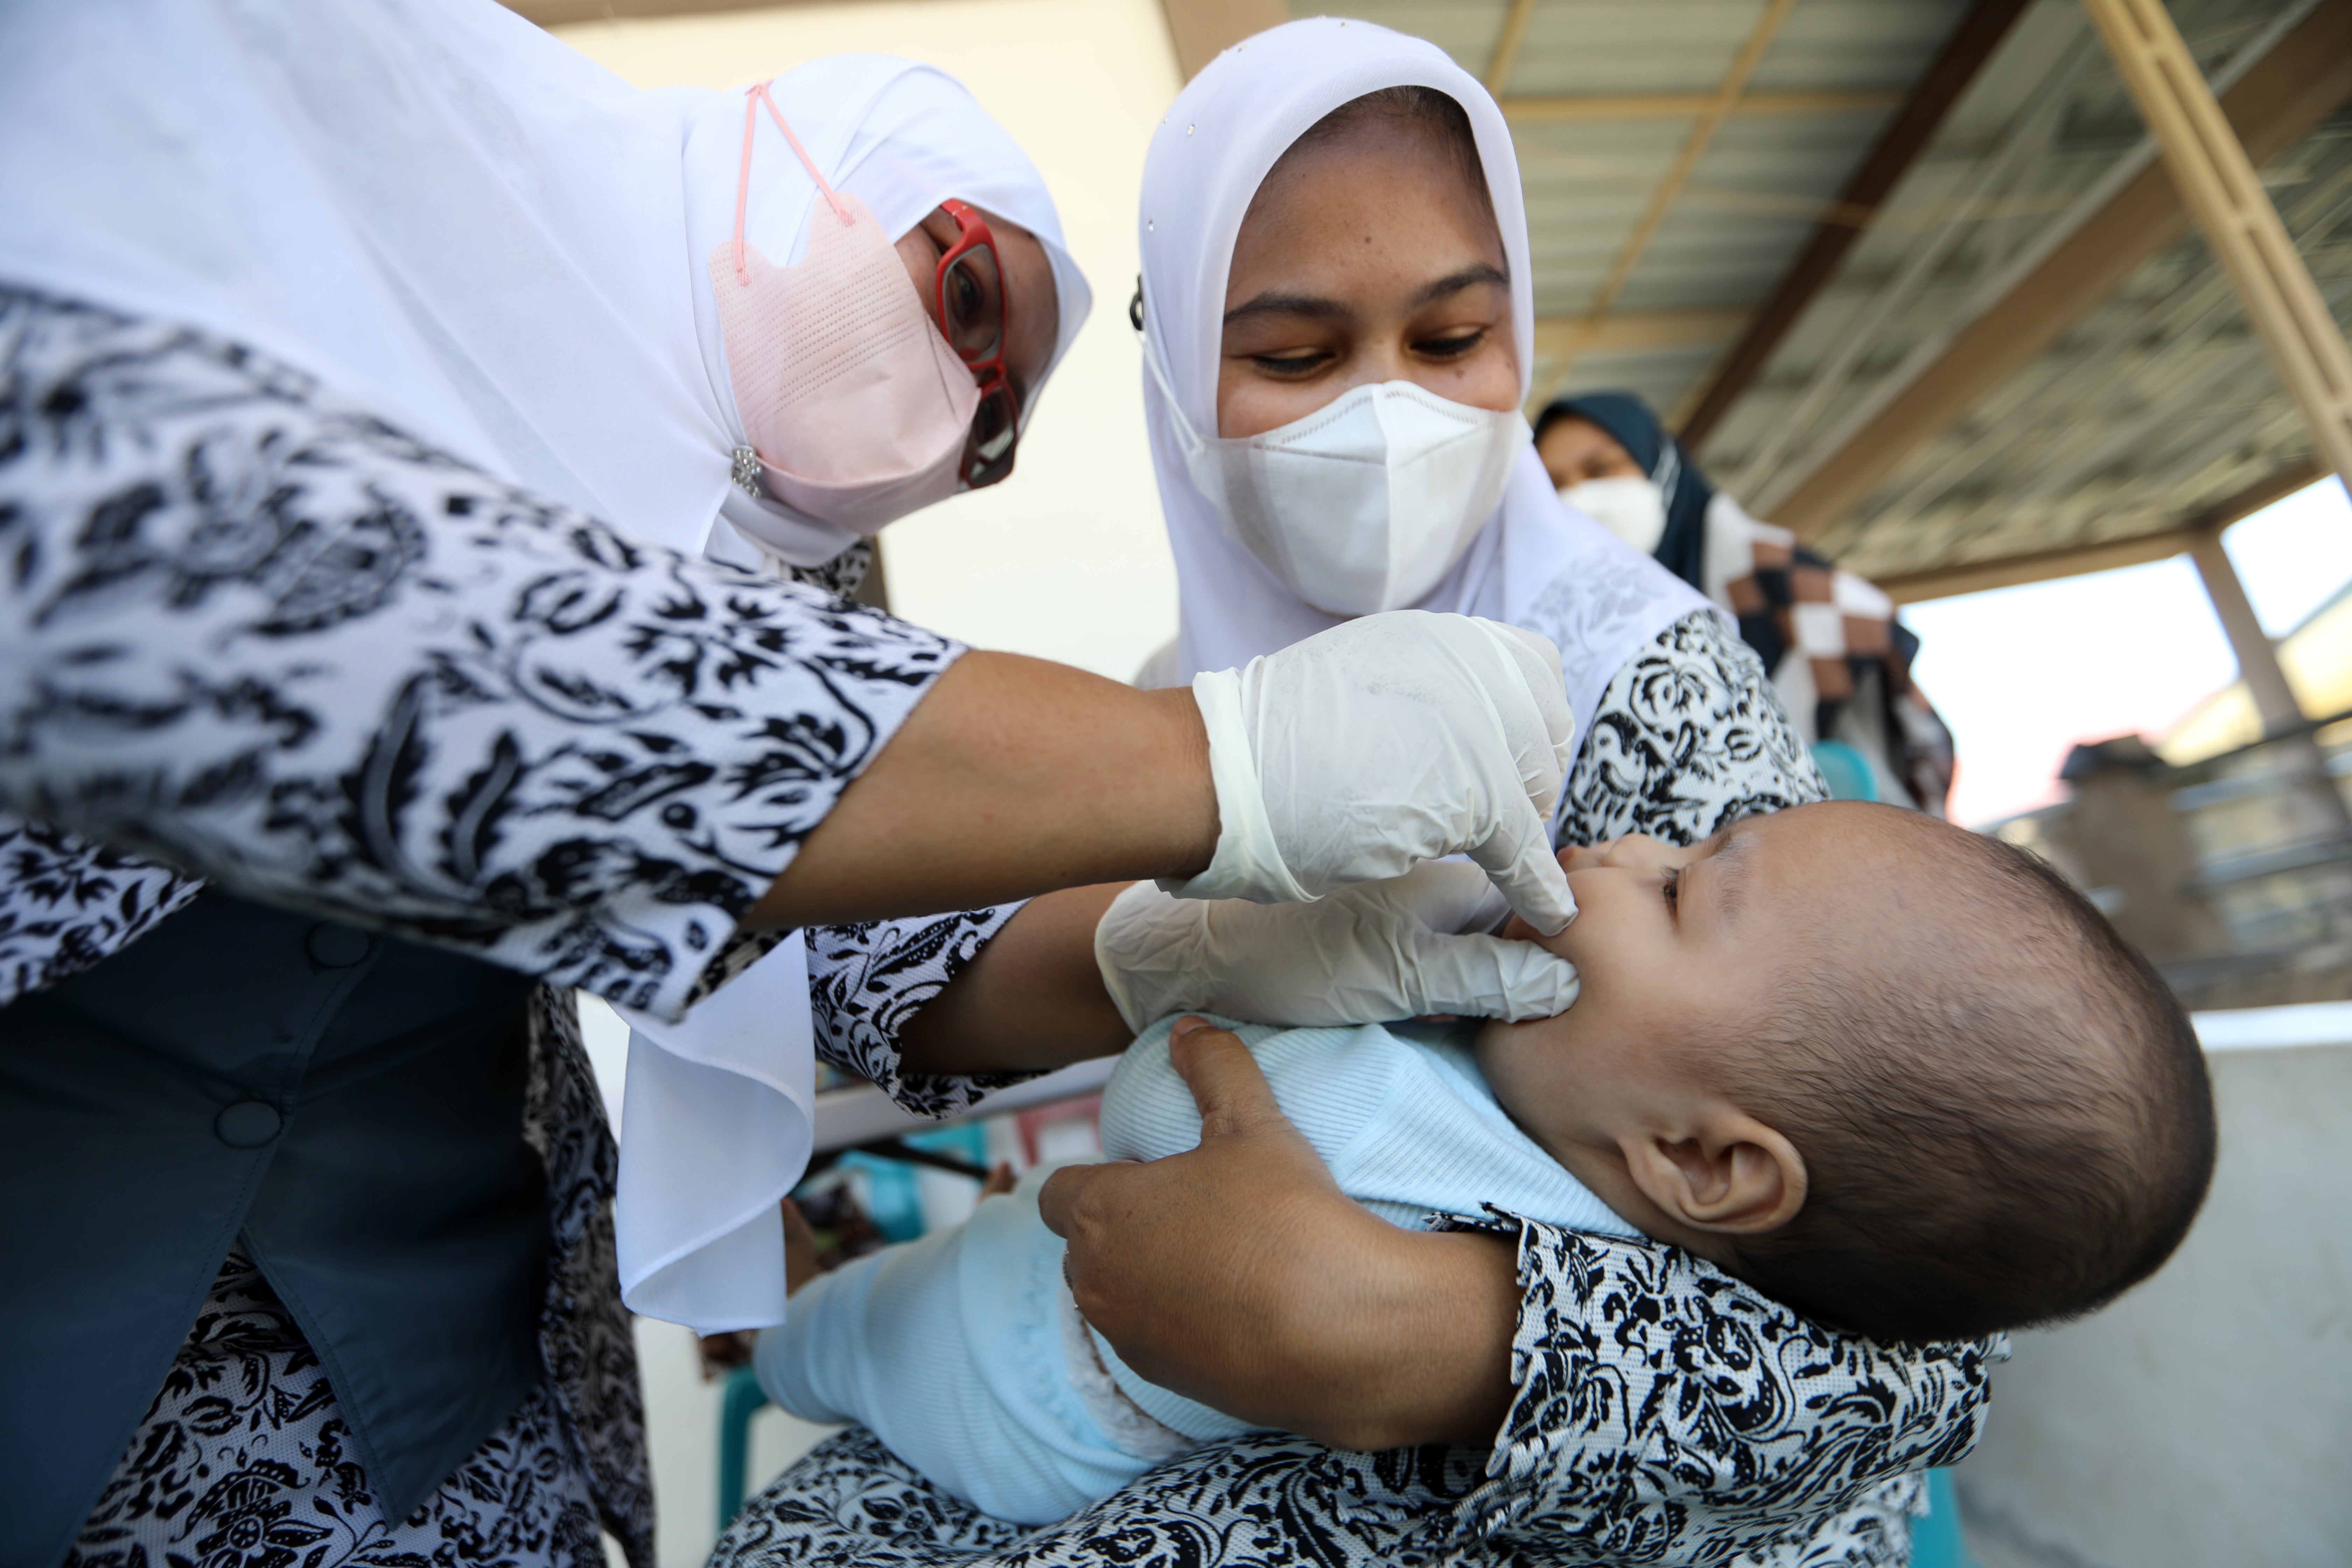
(1536, 563)
(461, 224)
(455, 220)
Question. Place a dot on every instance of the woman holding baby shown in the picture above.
(1337, 317)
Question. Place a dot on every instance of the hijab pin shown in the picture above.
(747, 471)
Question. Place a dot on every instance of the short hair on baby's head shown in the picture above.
(2003, 1111)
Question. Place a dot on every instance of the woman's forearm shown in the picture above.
(1432, 1362)
(1012, 776)
(1032, 998)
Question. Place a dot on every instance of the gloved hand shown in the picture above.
(1365, 954)
(1394, 738)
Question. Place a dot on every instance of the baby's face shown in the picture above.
(1673, 945)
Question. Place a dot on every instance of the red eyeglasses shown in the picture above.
(970, 285)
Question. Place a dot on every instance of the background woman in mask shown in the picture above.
(1836, 652)
(377, 379)
(1337, 319)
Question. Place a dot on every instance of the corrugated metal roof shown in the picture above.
(2149, 409)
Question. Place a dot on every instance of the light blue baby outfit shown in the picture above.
(963, 1352)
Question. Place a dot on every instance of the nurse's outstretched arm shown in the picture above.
(1012, 776)
(1342, 759)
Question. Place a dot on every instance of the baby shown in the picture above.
(1898, 1076)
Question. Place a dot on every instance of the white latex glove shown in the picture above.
(1366, 954)
(1394, 738)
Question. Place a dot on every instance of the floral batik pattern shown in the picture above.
(590, 760)
(244, 1462)
(866, 980)
(584, 1333)
(840, 577)
(64, 903)
(1668, 1413)
(1689, 736)
(1665, 1413)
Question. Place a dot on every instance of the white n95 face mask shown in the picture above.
(1632, 509)
(1365, 503)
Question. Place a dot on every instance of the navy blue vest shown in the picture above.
(352, 1106)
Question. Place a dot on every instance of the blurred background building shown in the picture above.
(1917, 280)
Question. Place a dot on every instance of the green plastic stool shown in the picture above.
(741, 1401)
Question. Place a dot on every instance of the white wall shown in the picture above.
(1066, 559)
(2204, 1420)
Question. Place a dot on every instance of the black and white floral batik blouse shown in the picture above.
(1665, 1413)
(581, 759)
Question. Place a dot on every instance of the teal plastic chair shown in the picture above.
(1936, 1541)
(1845, 769)
(738, 1404)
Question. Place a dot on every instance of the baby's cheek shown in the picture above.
(1510, 1057)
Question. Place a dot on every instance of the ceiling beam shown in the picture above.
(1580, 108)
(1939, 87)
(1631, 331)
(2036, 566)
(2298, 83)
(2240, 223)
(2074, 559)
(1727, 93)
(1507, 44)
(1201, 30)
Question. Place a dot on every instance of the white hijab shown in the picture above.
(454, 220)
(462, 224)
(1536, 563)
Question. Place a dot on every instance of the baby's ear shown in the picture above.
(1730, 1176)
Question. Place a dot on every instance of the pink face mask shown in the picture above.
(856, 407)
